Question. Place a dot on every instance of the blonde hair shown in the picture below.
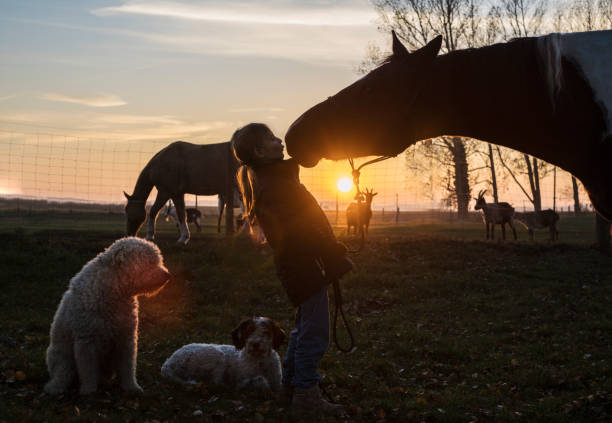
(244, 142)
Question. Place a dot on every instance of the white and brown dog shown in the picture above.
(252, 363)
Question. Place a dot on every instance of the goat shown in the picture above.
(495, 214)
(193, 216)
(358, 214)
(539, 220)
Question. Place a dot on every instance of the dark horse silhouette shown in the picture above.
(175, 170)
(548, 96)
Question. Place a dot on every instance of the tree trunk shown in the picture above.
(462, 184)
(493, 177)
(576, 196)
(537, 195)
(535, 198)
(602, 231)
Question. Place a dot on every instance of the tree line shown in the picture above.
(470, 24)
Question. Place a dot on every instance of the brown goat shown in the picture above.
(358, 215)
(495, 214)
(538, 220)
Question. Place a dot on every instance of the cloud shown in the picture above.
(105, 100)
(267, 13)
(330, 34)
(100, 126)
(255, 109)
(138, 120)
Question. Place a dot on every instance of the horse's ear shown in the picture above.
(398, 47)
(126, 195)
(432, 48)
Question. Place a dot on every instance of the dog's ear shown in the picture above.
(239, 334)
(278, 335)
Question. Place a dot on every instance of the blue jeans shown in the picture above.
(307, 342)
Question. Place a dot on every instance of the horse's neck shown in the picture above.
(497, 94)
(143, 186)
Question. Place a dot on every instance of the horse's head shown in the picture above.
(369, 117)
(135, 214)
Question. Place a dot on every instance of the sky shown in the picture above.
(186, 69)
(91, 89)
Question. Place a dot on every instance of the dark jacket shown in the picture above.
(306, 253)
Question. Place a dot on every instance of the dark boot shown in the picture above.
(310, 401)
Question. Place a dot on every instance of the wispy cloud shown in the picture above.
(138, 120)
(269, 13)
(255, 109)
(95, 125)
(104, 100)
(331, 34)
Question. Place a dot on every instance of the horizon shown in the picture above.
(99, 77)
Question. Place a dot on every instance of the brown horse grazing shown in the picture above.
(548, 96)
(178, 169)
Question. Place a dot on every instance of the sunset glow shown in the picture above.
(344, 184)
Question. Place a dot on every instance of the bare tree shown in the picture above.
(605, 12)
(517, 165)
(576, 195)
(493, 175)
(461, 23)
(521, 18)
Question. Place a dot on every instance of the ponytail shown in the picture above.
(247, 184)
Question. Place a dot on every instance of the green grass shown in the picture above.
(449, 327)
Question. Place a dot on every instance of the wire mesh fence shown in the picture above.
(51, 168)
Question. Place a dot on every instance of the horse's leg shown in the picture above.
(179, 205)
(160, 200)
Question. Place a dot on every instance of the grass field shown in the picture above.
(449, 327)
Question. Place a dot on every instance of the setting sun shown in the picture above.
(345, 184)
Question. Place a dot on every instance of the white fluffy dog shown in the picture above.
(252, 363)
(95, 329)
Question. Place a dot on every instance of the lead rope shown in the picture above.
(338, 301)
(335, 282)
